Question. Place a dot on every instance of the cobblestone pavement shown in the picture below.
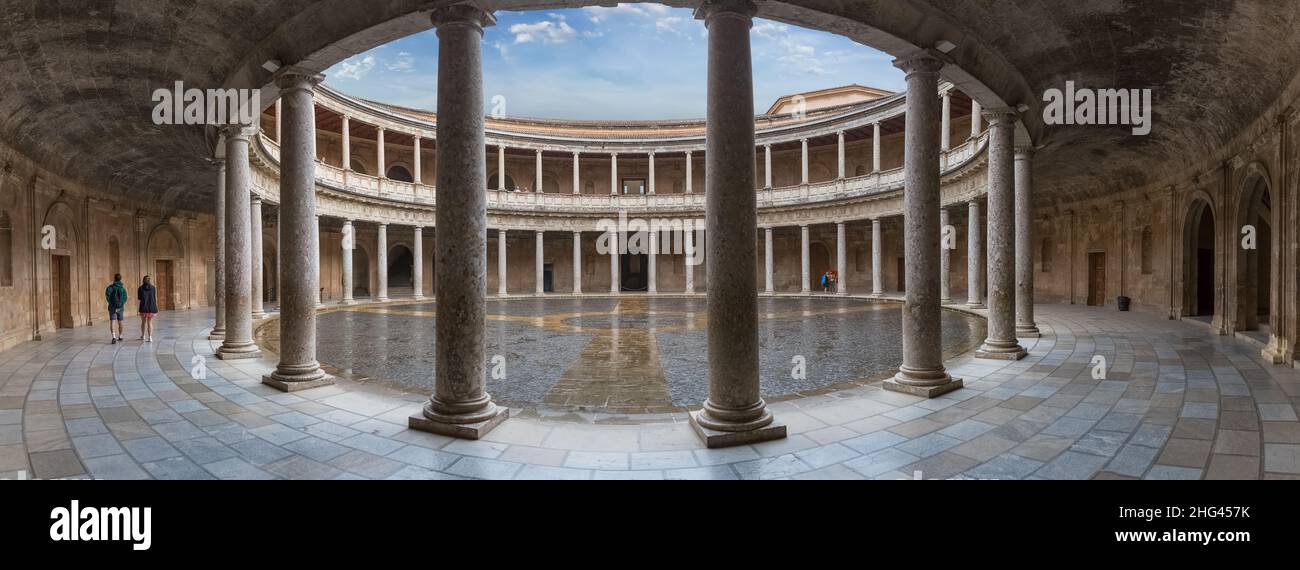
(1176, 403)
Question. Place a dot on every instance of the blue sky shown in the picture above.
(633, 61)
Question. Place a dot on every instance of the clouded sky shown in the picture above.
(633, 61)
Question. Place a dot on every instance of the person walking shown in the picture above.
(148, 296)
(116, 296)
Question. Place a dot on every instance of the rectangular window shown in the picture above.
(634, 186)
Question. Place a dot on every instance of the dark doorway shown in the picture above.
(634, 272)
(61, 289)
(1097, 279)
(360, 273)
(401, 267)
(548, 278)
(902, 275)
(165, 281)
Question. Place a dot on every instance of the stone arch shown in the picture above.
(165, 259)
(550, 183)
(1254, 268)
(62, 267)
(400, 172)
(359, 167)
(510, 183)
(1200, 258)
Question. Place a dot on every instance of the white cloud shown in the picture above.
(668, 23)
(783, 47)
(356, 69)
(554, 31)
(405, 63)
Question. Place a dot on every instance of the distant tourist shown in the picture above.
(116, 296)
(148, 296)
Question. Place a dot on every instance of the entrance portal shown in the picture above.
(1097, 279)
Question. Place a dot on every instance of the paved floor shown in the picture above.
(630, 354)
(1175, 403)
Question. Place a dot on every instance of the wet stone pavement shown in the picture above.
(1176, 403)
(631, 354)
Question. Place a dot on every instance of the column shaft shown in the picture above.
(945, 132)
(219, 252)
(1001, 341)
(734, 413)
(418, 271)
(238, 341)
(501, 167)
(383, 162)
(690, 177)
(842, 258)
(1025, 326)
(690, 259)
(577, 185)
(945, 258)
(577, 263)
(922, 372)
(875, 147)
(653, 259)
(877, 250)
(502, 290)
(537, 176)
(613, 173)
(255, 265)
(418, 174)
(540, 266)
(767, 166)
(768, 261)
(974, 256)
(840, 155)
(460, 405)
(298, 368)
(381, 259)
(805, 279)
(651, 185)
(349, 243)
(803, 161)
(347, 143)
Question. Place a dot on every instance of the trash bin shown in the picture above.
(1123, 303)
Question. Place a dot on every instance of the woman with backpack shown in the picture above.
(148, 296)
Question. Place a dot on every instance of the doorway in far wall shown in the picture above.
(1097, 279)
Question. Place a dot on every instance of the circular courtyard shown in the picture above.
(632, 354)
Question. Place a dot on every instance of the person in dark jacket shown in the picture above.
(148, 296)
(116, 296)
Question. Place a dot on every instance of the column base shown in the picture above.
(926, 391)
(1028, 331)
(975, 306)
(418, 297)
(217, 334)
(1276, 351)
(715, 439)
(418, 421)
(260, 316)
(292, 385)
(348, 302)
(945, 301)
(238, 354)
(1001, 352)
(382, 299)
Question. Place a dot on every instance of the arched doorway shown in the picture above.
(401, 267)
(400, 174)
(1254, 260)
(360, 273)
(1198, 261)
(510, 183)
(819, 262)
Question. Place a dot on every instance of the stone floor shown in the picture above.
(629, 354)
(1175, 403)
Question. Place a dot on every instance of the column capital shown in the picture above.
(468, 13)
(540, 232)
(613, 154)
(255, 200)
(1024, 152)
(728, 8)
(382, 225)
(922, 61)
(688, 153)
(292, 77)
(651, 154)
(576, 153)
(539, 152)
(1000, 115)
(239, 132)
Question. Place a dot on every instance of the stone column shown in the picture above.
(539, 265)
(651, 184)
(577, 263)
(383, 162)
(347, 142)
(501, 167)
(840, 155)
(381, 261)
(418, 270)
(975, 123)
(349, 243)
(537, 176)
(877, 250)
(460, 406)
(842, 257)
(1025, 326)
(613, 173)
(803, 161)
(279, 123)
(767, 166)
(316, 247)
(690, 177)
(238, 341)
(502, 290)
(577, 185)
(689, 259)
(945, 133)
(945, 258)
(614, 286)
(805, 280)
(974, 257)
(419, 174)
(653, 259)
(219, 252)
(734, 413)
(922, 372)
(769, 284)
(255, 265)
(875, 147)
(298, 368)
(1001, 342)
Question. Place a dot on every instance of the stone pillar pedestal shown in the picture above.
(460, 405)
(922, 372)
(298, 368)
(735, 413)
(238, 340)
(1001, 342)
